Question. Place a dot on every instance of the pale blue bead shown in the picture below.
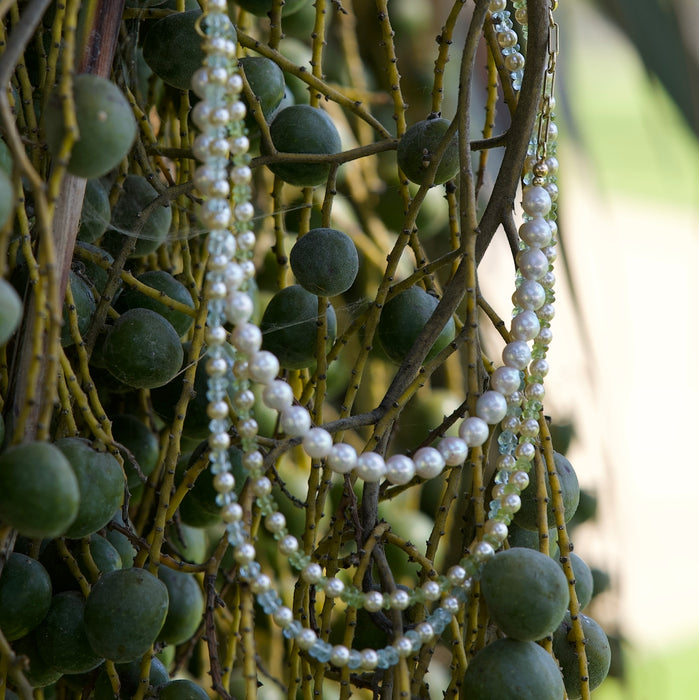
(218, 426)
(355, 659)
(414, 638)
(236, 534)
(460, 594)
(250, 571)
(392, 656)
(269, 601)
(292, 630)
(383, 659)
(321, 651)
(507, 441)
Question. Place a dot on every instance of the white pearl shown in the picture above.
(334, 588)
(317, 443)
(497, 5)
(253, 461)
(400, 469)
(510, 423)
(514, 61)
(239, 145)
(215, 213)
(539, 367)
(339, 656)
(370, 466)
(312, 573)
(200, 79)
(219, 442)
(536, 232)
(243, 400)
(369, 659)
(295, 421)
(517, 354)
(511, 502)
(496, 529)
(491, 407)
(248, 428)
(278, 395)
(224, 482)
(260, 584)
(200, 114)
(536, 201)
(507, 38)
(248, 268)
(220, 148)
(525, 451)
(234, 276)
(238, 111)
(246, 240)
(283, 616)
(241, 175)
(275, 522)
(216, 5)
(373, 601)
(247, 338)
(431, 590)
(451, 604)
(399, 599)
(474, 431)
(548, 280)
(306, 638)
(262, 487)
(218, 75)
(456, 575)
(520, 480)
(532, 263)
(547, 312)
(220, 116)
(403, 646)
(505, 379)
(552, 164)
(263, 367)
(239, 308)
(425, 631)
(530, 428)
(232, 513)
(288, 545)
(342, 458)
(530, 295)
(244, 211)
(216, 335)
(545, 336)
(428, 462)
(535, 392)
(235, 82)
(552, 189)
(506, 462)
(483, 551)
(216, 289)
(244, 553)
(217, 410)
(525, 325)
(454, 450)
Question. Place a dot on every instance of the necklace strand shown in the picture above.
(514, 399)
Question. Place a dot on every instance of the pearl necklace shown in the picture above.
(514, 398)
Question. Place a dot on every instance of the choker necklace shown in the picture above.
(513, 401)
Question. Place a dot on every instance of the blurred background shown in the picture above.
(624, 368)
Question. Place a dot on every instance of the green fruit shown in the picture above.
(106, 125)
(289, 327)
(262, 7)
(140, 441)
(121, 543)
(6, 162)
(101, 483)
(166, 285)
(129, 218)
(526, 593)
(96, 212)
(85, 306)
(173, 48)
(586, 510)
(266, 81)
(124, 613)
(7, 198)
(602, 581)
(402, 320)
(129, 677)
(303, 129)
(519, 537)
(104, 554)
(10, 311)
(597, 650)
(61, 637)
(94, 273)
(570, 492)
(39, 492)
(25, 595)
(39, 673)
(182, 689)
(186, 605)
(324, 261)
(190, 543)
(584, 583)
(417, 147)
(301, 55)
(142, 349)
(508, 669)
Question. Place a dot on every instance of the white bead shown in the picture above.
(525, 451)
(491, 407)
(239, 308)
(454, 450)
(224, 482)
(342, 458)
(234, 276)
(497, 5)
(547, 312)
(511, 502)
(510, 423)
(200, 114)
(219, 442)
(232, 513)
(530, 295)
(451, 604)
(474, 431)
(248, 268)
(514, 61)
(483, 551)
(306, 639)
(369, 659)
(220, 116)
(216, 289)
(536, 232)
(216, 335)
(260, 584)
(200, 79)
(239, 145)
(244, 211)
(278, 395)
(216, 6)
(218, 75)
(399, 599)
(517, 354)
(545, 336)
(215, 213)
(220, 148)
(530, 428)
(317, 443)
(334, 587)
(548, 281)
(288, 545)
(425, 631)
(535, 392)
(235, 82)
(536, 201)
(532, 263)
(552, 189)
(295, 421)
(283, 616)
(505, 380)
(217, 410)
(431, 590)
(275, 522)
(525, 326)
(400, 469)
(241, 175)
(244, 553)
(496, 529)
(238, 111)
(370, 467)
(539, 367)
(247, 338)
(253, 461)
(339, 656)
(373, 601)
(263, 367)
(520, 480)
(246, 240)
(262, 486)
(243, 400)
(248, 428)
(403, 646)
(456, 575)
(428, 462)
(312, 573)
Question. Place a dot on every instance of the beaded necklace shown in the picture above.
(514, 399)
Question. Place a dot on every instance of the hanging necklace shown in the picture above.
(513, 400)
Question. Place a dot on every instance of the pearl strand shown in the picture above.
(507, 38)
(229, 269)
